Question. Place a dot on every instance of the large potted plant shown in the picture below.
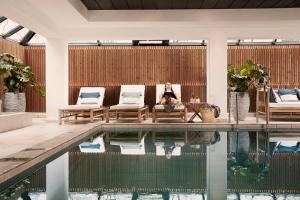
(17, 76)
(242, 163)
(240, 80)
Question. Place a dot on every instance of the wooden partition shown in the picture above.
(35, 58)
(114, 66)
(281, 61)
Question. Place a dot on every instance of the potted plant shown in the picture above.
(240, 80)
(17, 77)
(244, 164)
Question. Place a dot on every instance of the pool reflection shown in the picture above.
(175, 164)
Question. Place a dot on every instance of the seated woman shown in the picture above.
(168, 96)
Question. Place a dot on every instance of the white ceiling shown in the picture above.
(69, 19)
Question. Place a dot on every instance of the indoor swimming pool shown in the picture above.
(176, 164)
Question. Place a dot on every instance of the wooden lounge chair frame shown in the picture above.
(139, 112)
(84, 111)
(263, 108)
(92, 114)
(161, 113)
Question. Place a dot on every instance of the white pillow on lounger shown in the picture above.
(289, 98)
(130, 100)
(89, 100)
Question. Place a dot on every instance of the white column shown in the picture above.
(216, 171)
(217, 72)
(56, 76)
(57, 178)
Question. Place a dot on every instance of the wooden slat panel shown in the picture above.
(35, 58)
(281, 62)
(114, 66)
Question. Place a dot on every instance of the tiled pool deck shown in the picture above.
(23, 148)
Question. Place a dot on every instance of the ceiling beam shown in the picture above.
(27, 38)
(2, 19)
(12, 31)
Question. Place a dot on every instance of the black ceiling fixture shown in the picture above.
(187, 4)
(150, 42)
(2, 19)
(12, 31)
(27, 38)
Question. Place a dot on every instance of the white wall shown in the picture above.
(56, 76)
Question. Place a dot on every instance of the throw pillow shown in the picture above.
(289, 98)
(272, 96)
(132, 94)
(89, 94)
(292, 91)
(278, 99)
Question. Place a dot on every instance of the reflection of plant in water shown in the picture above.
(12, 190)
(244, 165)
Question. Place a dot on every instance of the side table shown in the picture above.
(194, 107)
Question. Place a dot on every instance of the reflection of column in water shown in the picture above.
(217, 169)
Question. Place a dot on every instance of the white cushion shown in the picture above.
(289, 98)
(139, 101)
(97, 140)
(81, 107)
(130, 100)
(89, 100)
(126, 107)
(289, 143)
(101, 90)
(285, 105)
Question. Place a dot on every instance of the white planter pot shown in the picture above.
(14, 102)
(241, 101)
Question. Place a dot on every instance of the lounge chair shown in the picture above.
(89, 104)
(131, 103)
(278, 109)
(158, 110)
(95, 146)
(284, 143)
(132, 143)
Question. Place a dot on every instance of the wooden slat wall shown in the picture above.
(281, 61)
(113, 66)
(35, 58)
(12, 48)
